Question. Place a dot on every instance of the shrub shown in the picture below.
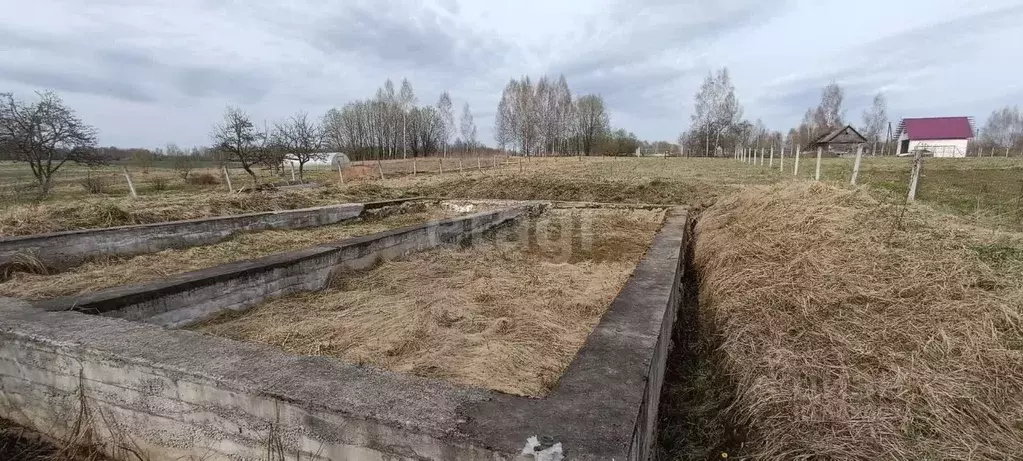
(160, 183)
(203, 179)
(94, 184)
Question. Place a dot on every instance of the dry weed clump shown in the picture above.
(100, 274)
(856, 330)
(507, 313)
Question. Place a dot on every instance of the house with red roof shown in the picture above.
(937, 136)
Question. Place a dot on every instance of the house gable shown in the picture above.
(844, 135)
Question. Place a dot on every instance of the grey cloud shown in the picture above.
(891, 60)
(630, 73)
(114, 72)
(408, 33)
(200, 82)
(64, 80)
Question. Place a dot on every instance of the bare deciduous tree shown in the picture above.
(46, 135)
(829, 113)
(143, 159)
(592, 121)
(406, 101)
(447, 116)
(1004, 128)
(239, 138)
(301, 140)
(875, 119)
(716, 108)
(504, 126)
(468, 127)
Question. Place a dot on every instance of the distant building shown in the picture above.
(840, 140)
(937, 136)
(331, 159)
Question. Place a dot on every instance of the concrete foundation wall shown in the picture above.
(179, 395)
(605, 405)
(194, 296)
(172, 394)
(61, 250)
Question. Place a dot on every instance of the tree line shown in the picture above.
(717, 125)
(543, 119)
(390, 125)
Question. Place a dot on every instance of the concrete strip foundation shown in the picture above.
(173, 394)
(191, 297)
(61, 250)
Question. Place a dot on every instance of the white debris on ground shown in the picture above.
(533, 448)
(461, 208)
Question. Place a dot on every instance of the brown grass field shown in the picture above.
(508, 313)
(829, 322)
(846, 328)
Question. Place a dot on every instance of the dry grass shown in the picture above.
(507, 313)
(854, 330)
(19, 443)
(98, 211)
(101, 274)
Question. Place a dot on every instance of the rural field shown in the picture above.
(824, 321)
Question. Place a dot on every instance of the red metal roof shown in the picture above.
(938, 128)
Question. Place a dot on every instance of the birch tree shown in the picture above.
(468, 128)
(1004, 128)
(875, 119)
(716, 108)
(447, 116)
(406, 100)
(829, 113)
(564, 111)
(503, 124)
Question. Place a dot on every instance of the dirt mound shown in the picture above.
(567, 188)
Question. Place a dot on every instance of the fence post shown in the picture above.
(459, 164)
(228, 178)
(914, 180)
(414, 166)
(771, 163)
(1006, 152)
(820, 151)
(292, 170)
(442, 165)
(781, 159)
(339, 174)
(520, 164)
(795, 169)
(380, 165)
(131, 186)
(479, 164)
(856, 165)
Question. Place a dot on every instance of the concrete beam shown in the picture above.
(187, 298)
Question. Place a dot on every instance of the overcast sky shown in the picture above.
(151, 72)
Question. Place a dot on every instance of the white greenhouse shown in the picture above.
(330, 159)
